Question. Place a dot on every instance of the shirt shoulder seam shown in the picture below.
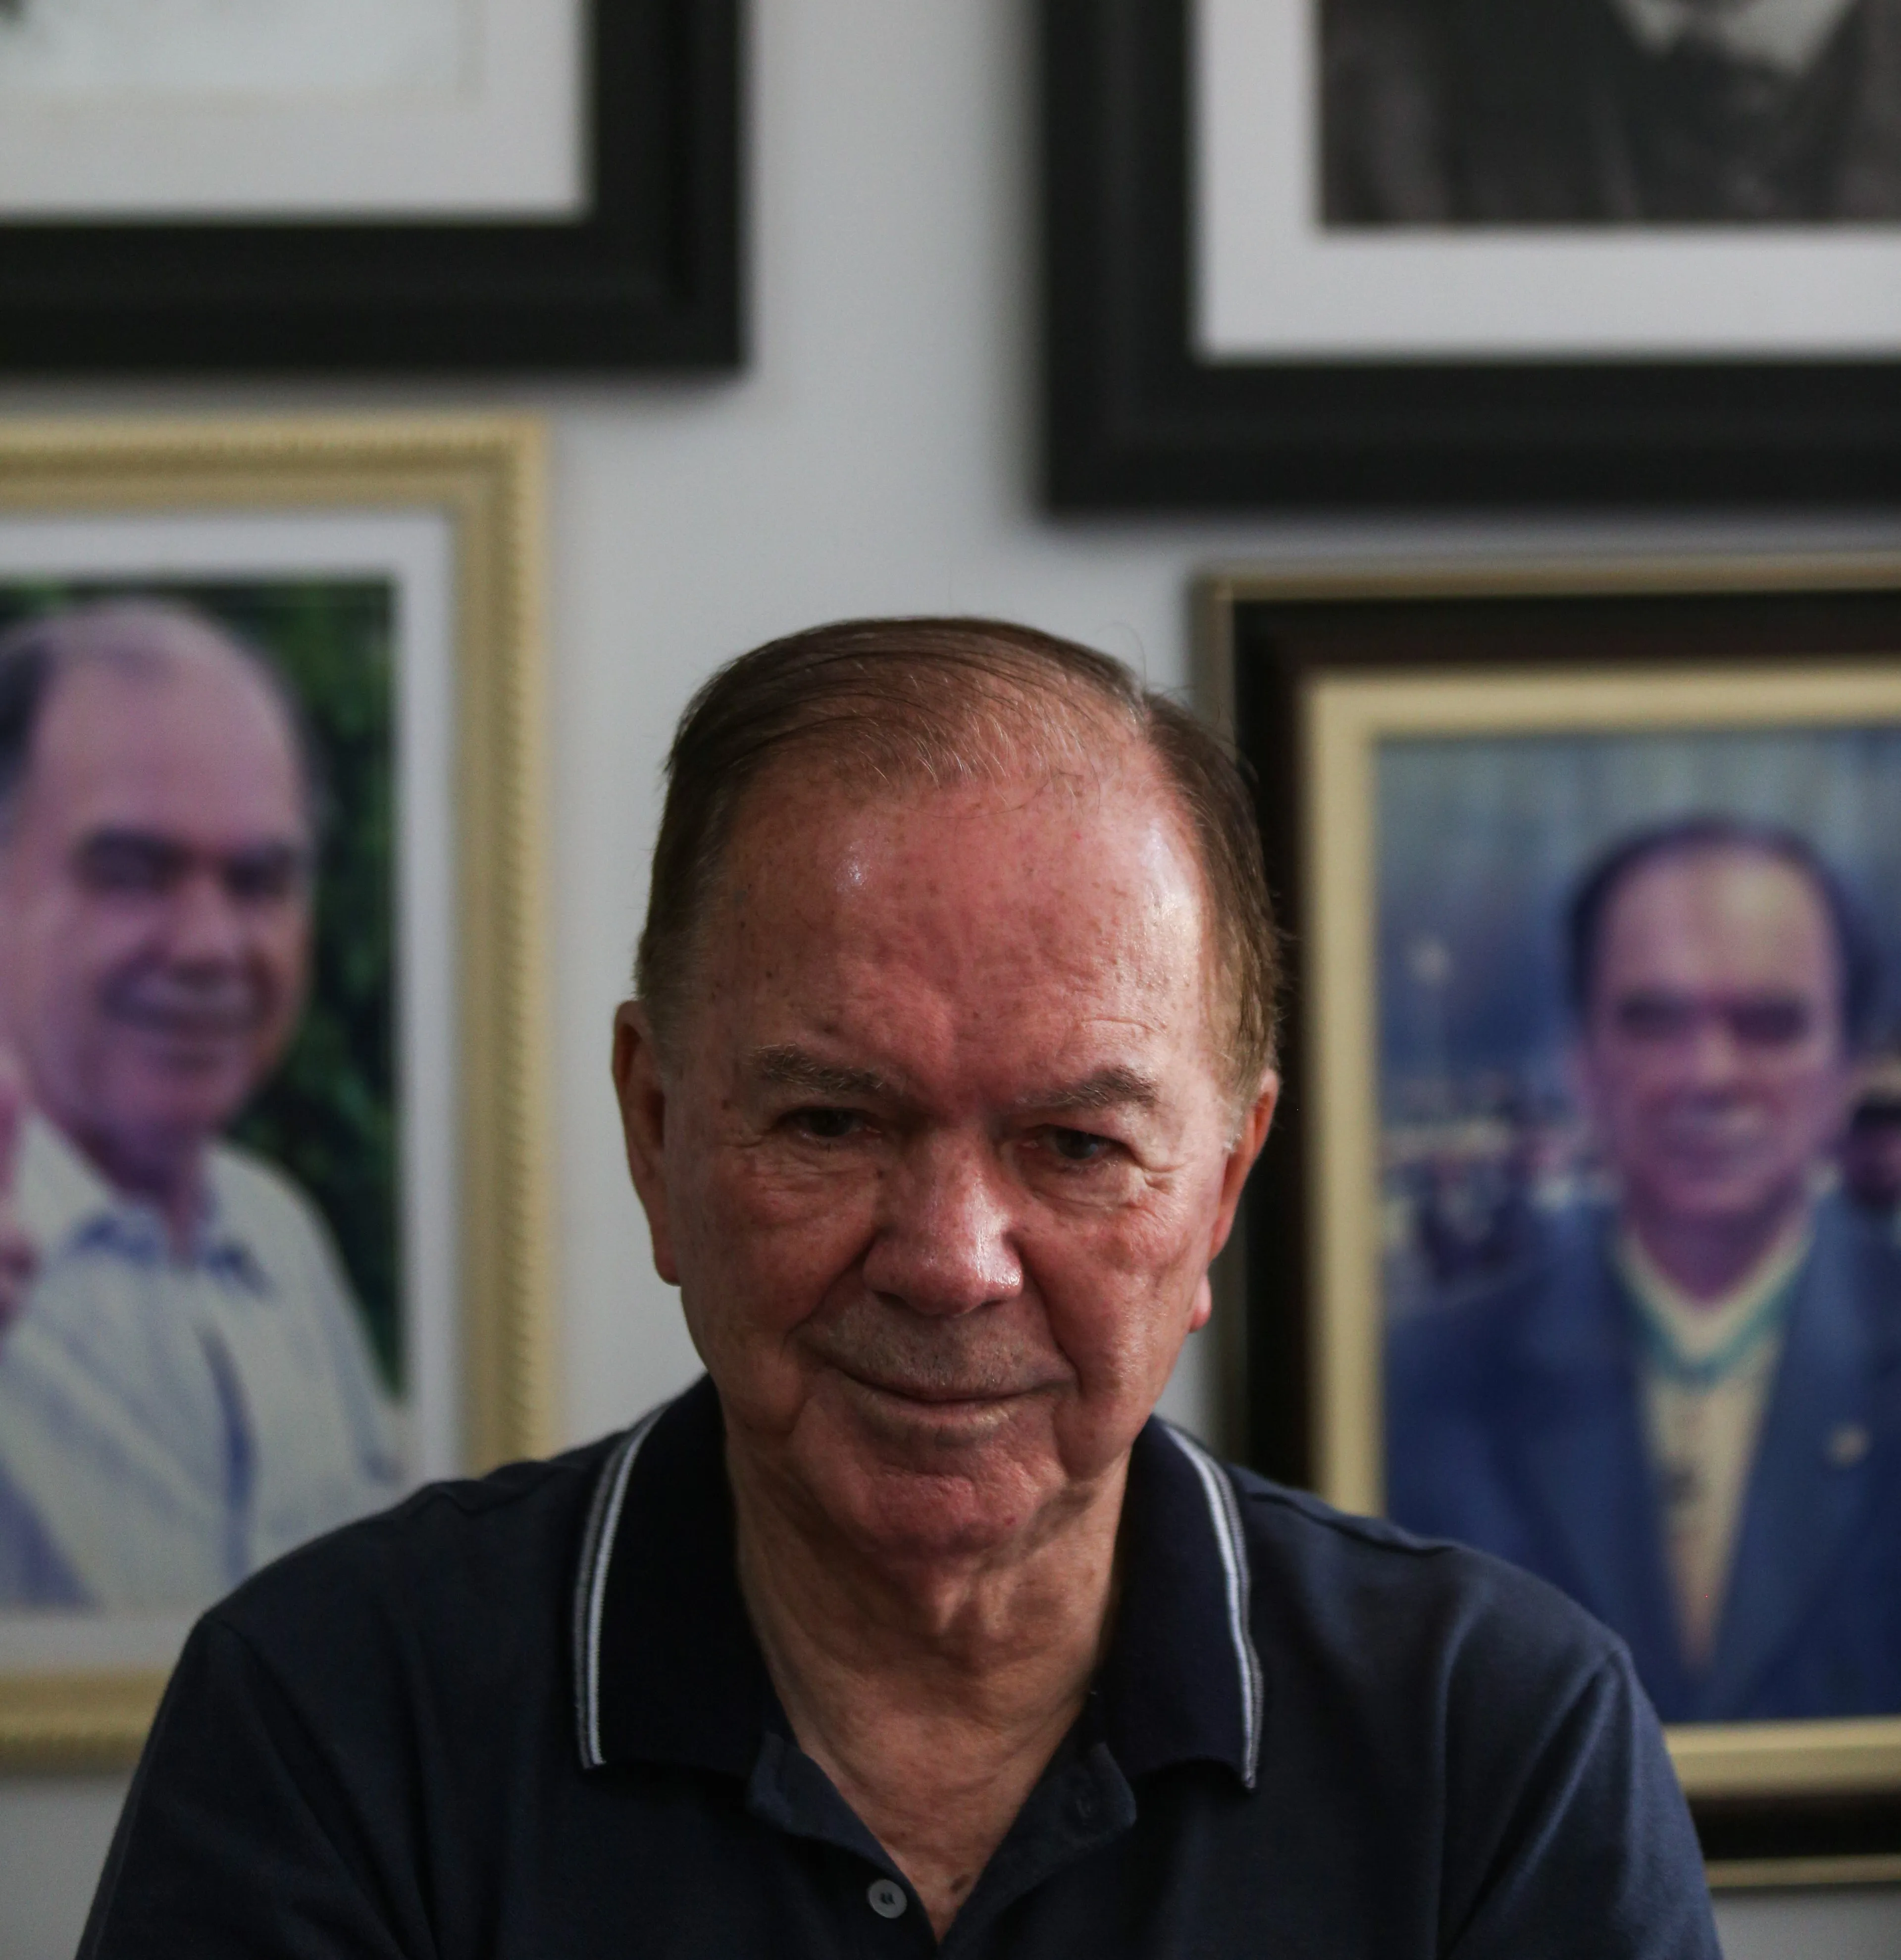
(1380, 1534)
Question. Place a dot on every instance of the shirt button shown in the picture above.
(886, 1898)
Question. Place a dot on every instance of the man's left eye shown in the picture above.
(827, 1126)
(1079, 1147)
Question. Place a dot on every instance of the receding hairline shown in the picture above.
(1696, 851)
(753, 814)
(1076, 745)
(140, 639)
(1097, 751)
(1009, 780)
(154, 643)
(893, 706)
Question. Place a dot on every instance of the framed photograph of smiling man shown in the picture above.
(272, 1243)
(1584, 1243)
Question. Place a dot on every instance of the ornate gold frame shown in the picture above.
(484, 473)
(1340, 717)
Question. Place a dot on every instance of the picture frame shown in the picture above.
(273, 530)
(1344, 695)
(641, 271)
(1437, 369)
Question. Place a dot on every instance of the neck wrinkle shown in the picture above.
(988, 1647)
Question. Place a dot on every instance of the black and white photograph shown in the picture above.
(1452, 112)
(1624, 178)
(1355, 254)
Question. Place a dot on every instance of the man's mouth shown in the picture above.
(190, 1027)
(223, 1017)
(940, 1395)
(1717, 1131)
(946, 1368)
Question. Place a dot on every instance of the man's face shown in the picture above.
(942, 1152)
(1714, 1057)
(154, 906)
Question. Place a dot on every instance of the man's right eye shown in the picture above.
(1655, 1016)
(127, 864)
(826, 1125)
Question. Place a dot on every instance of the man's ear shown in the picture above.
(641, 1089)
(1249, 1135)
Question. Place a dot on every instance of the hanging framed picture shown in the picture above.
(274, 1149)
(322, 186)
(1408, 252)
(1579, 1241)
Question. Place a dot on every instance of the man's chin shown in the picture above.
(971, 1503)
(927, 1476)
(929, 1423)
(1716, 1203)
(933, 1418)
(174, 1115)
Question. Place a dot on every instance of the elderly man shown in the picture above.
(1686, 1415)
(1596, 112)
(185, 1389)
(911, 1626)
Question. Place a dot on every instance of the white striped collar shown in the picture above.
(1224, 1521)
(590, 1588)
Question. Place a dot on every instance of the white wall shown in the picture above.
(877, 456)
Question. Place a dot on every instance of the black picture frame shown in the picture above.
(1264, 641)
(1133, 421)
(649, 278)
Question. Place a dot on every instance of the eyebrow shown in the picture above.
(161, 843)
(787, 1067)
(1114, 1087)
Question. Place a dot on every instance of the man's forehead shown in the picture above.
(114, 735)
(1718, 897)
(1121, 789)
(1051, 874)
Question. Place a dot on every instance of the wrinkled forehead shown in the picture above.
(1106, 855)
(1114, 789)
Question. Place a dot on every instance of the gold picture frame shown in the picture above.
(473, 486)
(1323, 681)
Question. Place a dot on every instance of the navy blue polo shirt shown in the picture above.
(527, 1717)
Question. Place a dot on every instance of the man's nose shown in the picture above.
(203, 926)
(1713, 1057)
(944, 1241)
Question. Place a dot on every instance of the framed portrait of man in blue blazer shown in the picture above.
(1586, 1250)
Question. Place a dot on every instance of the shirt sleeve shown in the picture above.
(239, 1836)
(1589, 1851)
